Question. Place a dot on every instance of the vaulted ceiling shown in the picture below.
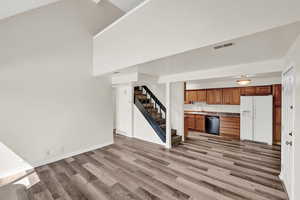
(267, 45)
(9, 8)
(161, 28)
(126, 5)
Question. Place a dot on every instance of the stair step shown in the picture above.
(138, 92)
(163, 126)
(152, 110)
(156, 115)
(173, 132)
(148, 105)
(141, 96)
(144, 101)
(176, 140)
(161, 121)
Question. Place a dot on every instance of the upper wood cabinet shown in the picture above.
(195, 96)
(214, 96)
(231, 96)
(201, 95)
(191, 96)
(263, 90)
(248, 91)
(256, 90)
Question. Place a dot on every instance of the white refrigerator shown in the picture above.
(257, 118)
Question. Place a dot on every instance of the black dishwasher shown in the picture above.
(212, 125)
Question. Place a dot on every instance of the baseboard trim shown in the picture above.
(67, 155)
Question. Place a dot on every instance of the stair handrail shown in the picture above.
(156, 100)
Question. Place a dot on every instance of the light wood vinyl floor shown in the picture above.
(203, 168)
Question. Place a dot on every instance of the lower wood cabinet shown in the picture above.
(186, 129)
(200, 123)
(230, 126)
(195, 122)
(190, 121)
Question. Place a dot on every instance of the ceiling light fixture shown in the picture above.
(97, 1)
(244, 81)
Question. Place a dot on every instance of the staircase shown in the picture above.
(154, 112)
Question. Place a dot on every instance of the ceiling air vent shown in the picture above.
(223, 46)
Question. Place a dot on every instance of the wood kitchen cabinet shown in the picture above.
(214, 96)
(201, 95)
(230, 127)
(277, 98)
(195, 122)
(191, 96)
(263, 90)
(190, 121)
(195, 96)
(186, 128)
(231, 96)
(248, 91)
(256, 90)
(277, 94)
(200, 123)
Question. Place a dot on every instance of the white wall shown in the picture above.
(50, 104)
(177, 111)
(143, 130)
(213, 83)
(268, 66)
(293, 58)
(10, 162)
(159, 90)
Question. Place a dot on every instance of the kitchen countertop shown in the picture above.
(226, 114)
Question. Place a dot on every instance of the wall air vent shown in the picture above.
(223, 46)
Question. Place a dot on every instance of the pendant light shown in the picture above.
(244, 81)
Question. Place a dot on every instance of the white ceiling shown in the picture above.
(267, 45)
(234, 78)
(9, 8)
(126, 5)
(256, 79)
(163, 28)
